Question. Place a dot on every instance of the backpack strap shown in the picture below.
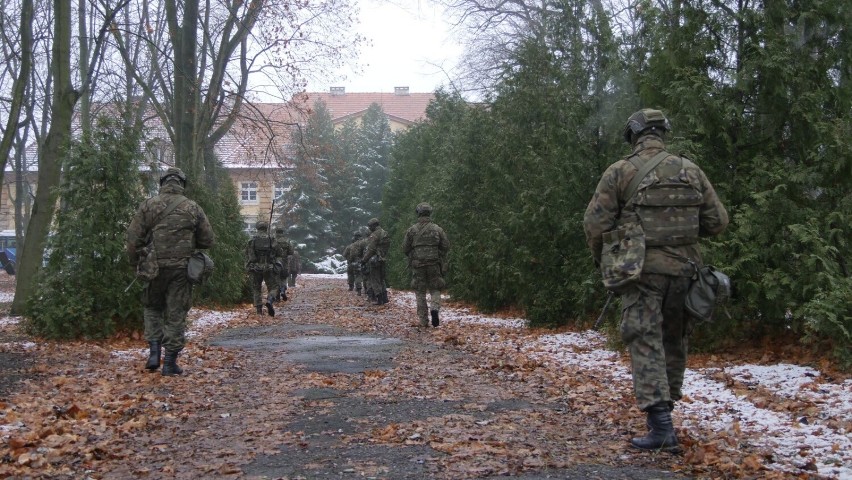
(169, 209)
(166, 211)
(642, 173)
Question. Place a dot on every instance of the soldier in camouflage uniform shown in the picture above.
(358, 249)
(426, 246)
(261, 253)
(378, 245)
(294, 266)
(170, 227)
(352, 263)
(282, 265)
(675, 204)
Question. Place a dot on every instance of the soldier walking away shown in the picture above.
(426, 246)
(669, 198)
(164, 233)
(282, 264)
(294, 267)
(351, 261)
(378, 245)
(261, 253)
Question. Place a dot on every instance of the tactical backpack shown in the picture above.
(262, 250)
(668, 208)
(199, 268)
(425, 245)
(148, 268)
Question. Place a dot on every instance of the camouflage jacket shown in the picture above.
(608, 203)
(293, 264)
(378, 243)
(262, 251)
(425, 243)
(176, 236)
(286, 248)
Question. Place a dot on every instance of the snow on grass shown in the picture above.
(711, 404)
(461, 315)
(7, 297)
(9, 321)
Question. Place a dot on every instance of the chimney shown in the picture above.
(337, 90)
(400, 91)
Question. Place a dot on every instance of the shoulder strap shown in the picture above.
(642, 173)
(169, 209)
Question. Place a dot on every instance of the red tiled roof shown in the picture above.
(409, 107)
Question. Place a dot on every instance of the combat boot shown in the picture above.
(435, 320)
(351, 286)
(259, 309)
(662, 434)
(269, 308)
(358, 291)
(153, 356)
(170, 366)
(384, 297)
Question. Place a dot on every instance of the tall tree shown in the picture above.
(61, 110)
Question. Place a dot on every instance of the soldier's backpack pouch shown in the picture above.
(147, 268)
(199, 268)
(709, 288)
(622, 256)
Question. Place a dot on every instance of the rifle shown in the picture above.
(603, 312)
(271, 209)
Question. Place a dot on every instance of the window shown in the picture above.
(248, 224)
(248, 192)
(278, 191)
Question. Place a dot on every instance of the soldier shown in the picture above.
(378, 244)
(674, 203)
(282, 265)
(426, 246)
(352, 262)
(294, 267)
(358, 249)
(165, 231)
(261, 253)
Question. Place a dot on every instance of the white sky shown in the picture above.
(410, 45)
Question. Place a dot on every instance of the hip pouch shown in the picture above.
(622, 255)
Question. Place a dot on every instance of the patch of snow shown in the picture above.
(7, 321)
(6, 297)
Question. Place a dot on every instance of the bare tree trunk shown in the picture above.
(50, 157)
(19, 86)
(85, 99)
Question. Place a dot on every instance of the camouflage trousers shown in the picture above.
(376, 280)
(257, 279)
(350, 273)
(425, 279)
(166, 300)
(655, 327)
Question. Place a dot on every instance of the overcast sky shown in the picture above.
(411, 45)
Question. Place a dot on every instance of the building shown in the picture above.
(257, 173)
(258, 148)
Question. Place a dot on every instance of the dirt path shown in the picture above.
(329, 388)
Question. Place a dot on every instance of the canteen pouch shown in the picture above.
(708, 289)
(622, 256)
(199, 268)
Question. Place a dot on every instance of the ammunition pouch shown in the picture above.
(147, 269)
(623, 255)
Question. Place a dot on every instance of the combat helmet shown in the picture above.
(423, 209)
(262, 225)
(373, 223)
(645, 119)
(279, 229)
(173, 172)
